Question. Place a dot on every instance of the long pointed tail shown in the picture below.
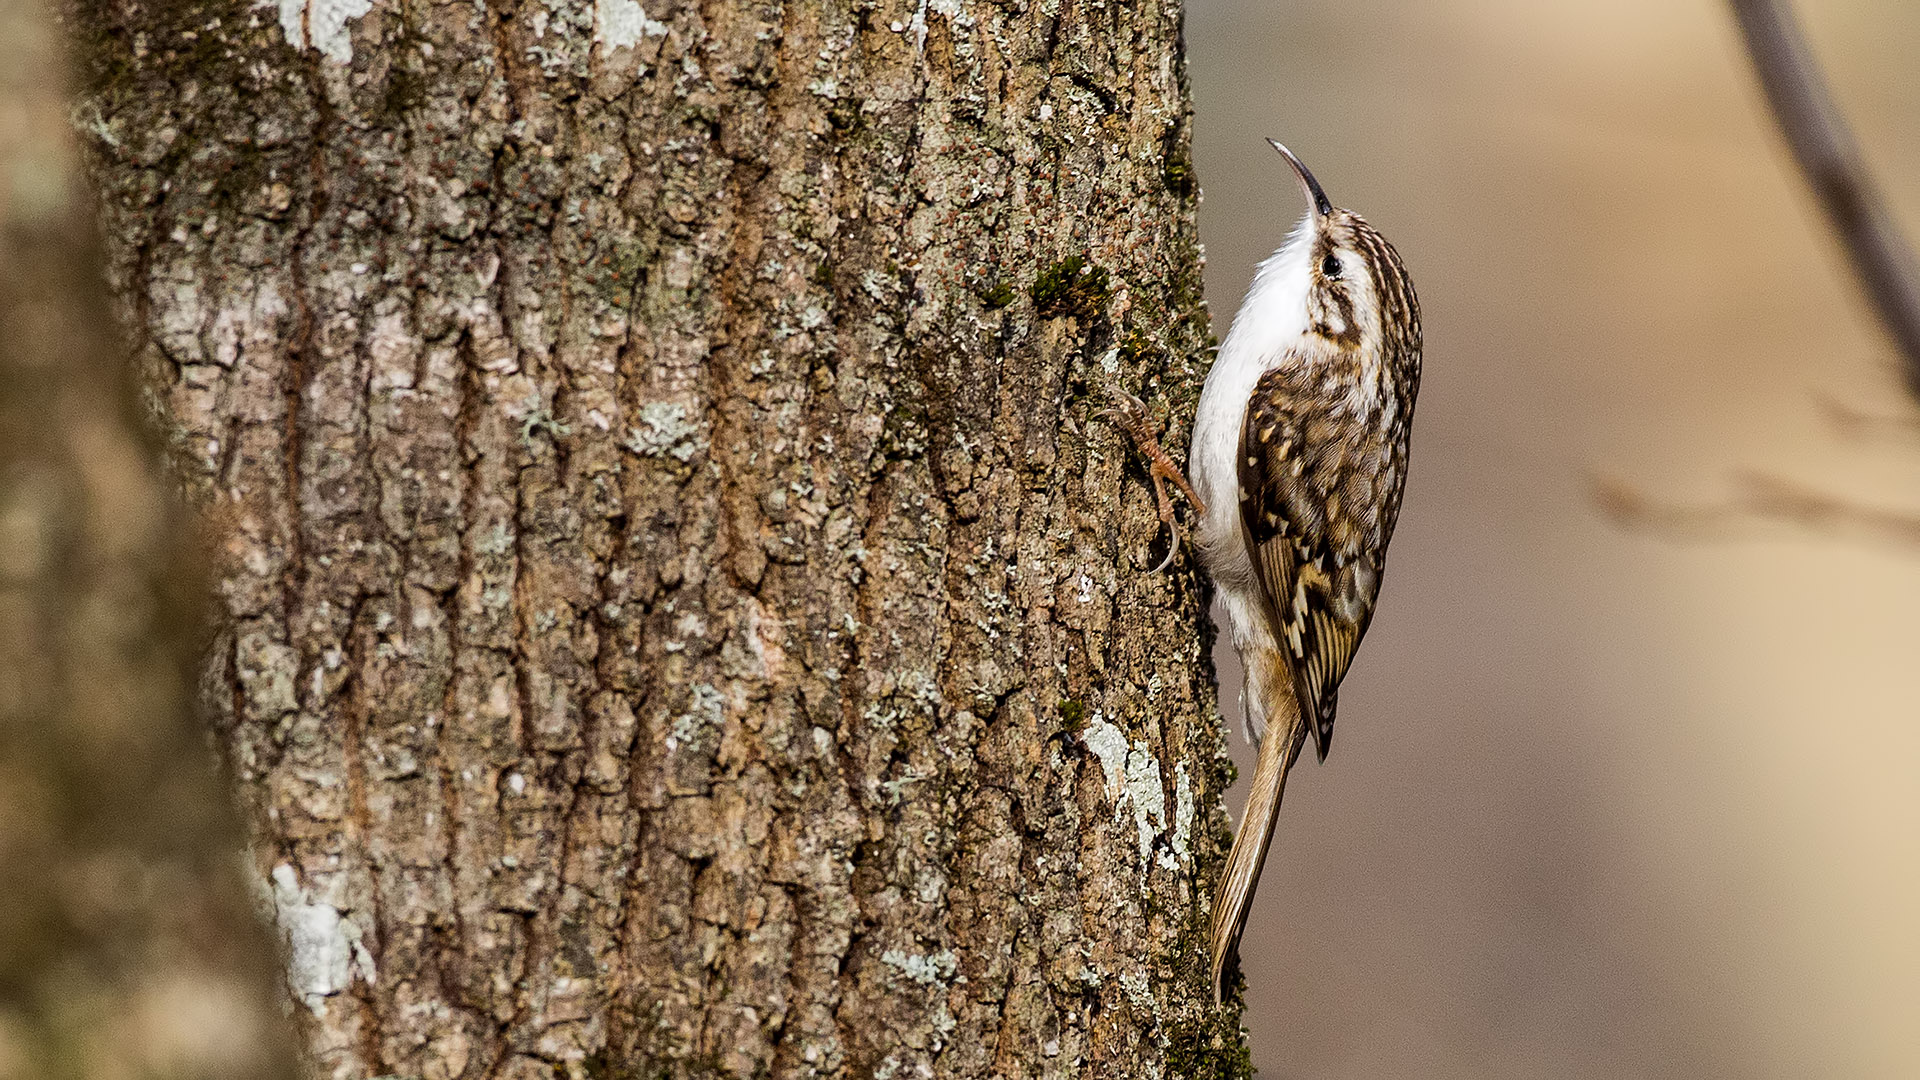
(1286, 732)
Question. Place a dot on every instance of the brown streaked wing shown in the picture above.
(1317, 603)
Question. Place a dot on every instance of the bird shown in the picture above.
(1298, 459)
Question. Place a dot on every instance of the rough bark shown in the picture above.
(682, 615)
(129, 947)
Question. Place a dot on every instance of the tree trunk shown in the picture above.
(128, 943)
(682, 614)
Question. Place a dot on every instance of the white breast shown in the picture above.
(1270, 322)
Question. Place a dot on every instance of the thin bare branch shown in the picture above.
(1830, 159)
(1853, 422)
(1761, 500)
(1633, 508)
(1783, 500)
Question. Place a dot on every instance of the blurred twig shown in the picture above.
(1760, 499)
(1633, 508)
(1831, 162)
(1853, 422)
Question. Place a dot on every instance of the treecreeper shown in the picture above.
(1298, 459)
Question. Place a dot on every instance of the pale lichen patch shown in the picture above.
(1133, 779)
(665, 431)
(1110, 746)
(619, 24)
(1149, 798)
(707, 710)
(1182, 813)
(321, 25)
(918, 24)
(323, 946)
(924, 969)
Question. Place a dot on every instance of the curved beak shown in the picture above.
(1307, 183)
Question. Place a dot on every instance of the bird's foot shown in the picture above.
(1129, 414)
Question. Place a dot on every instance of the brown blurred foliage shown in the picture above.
(127, 945)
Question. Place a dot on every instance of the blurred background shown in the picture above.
(1604, 802)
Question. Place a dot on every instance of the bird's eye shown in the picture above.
(1330, 266)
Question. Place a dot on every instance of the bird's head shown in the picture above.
(1357, 289)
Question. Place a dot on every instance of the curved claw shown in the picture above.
(1173, 547)
(1130, 415)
